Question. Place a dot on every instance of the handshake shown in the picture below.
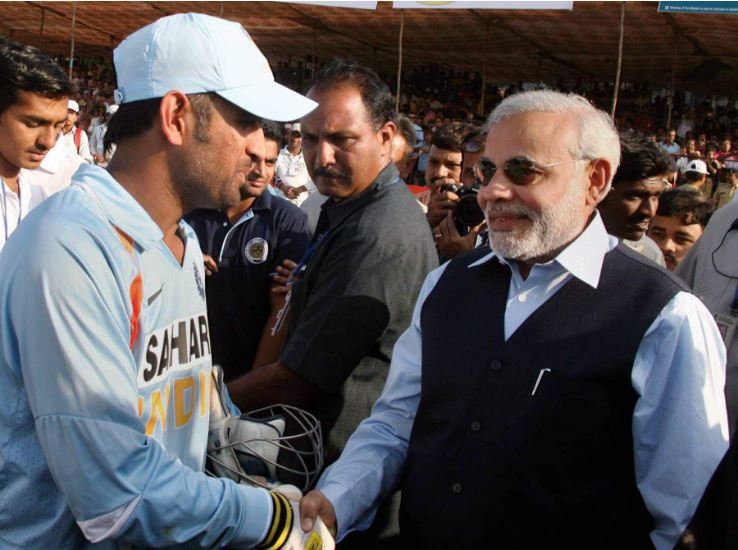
(273, 448)
(296, 524)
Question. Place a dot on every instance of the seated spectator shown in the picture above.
(669, 143)
(702, 143)
(100, 155)
(687, 124)
(713, 165)
(291, 170)
(725, 150)
(709, 124)
(422, 149)
(632, 202)
(726, 190)
(679, 221)
(695, 176)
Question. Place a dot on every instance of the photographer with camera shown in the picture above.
(454, 202)
(445, 158)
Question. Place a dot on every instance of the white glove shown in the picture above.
(280, 538)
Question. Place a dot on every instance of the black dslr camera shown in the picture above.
(467, 213)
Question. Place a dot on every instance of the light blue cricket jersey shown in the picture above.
(98, 438)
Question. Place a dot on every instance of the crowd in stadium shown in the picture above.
(486, 320)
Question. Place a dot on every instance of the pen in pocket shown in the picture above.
(538, 380)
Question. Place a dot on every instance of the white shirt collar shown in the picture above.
(583, 258)
(284, 149)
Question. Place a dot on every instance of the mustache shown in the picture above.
(506, 208)
(328, 173)
(671, 257)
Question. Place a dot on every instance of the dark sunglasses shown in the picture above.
(519, 170)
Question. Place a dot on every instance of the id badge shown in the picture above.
(726, 325)
(294, 169)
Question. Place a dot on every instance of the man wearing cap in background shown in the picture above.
(97, 140)
(695, 175)
(75, 139)
(34, 89)
(292, 173)
(104, 349)
(725, 191)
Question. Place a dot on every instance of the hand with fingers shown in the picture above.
(211, 266)
(448, 240)
(315, 505)
(441, 203)
(281, 276)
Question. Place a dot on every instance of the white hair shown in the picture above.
(597, 137)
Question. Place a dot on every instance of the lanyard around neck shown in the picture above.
(5, 208)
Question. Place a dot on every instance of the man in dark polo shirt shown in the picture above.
(242, 247)
(354, 292)
(580, 406)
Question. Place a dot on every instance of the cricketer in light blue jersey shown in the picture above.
(105, 355)
(125, 429)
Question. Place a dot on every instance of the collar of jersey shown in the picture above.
(119, 206)
(263, 201)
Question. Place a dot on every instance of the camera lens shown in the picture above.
(468, 212)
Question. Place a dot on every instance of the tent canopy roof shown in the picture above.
(529, 45)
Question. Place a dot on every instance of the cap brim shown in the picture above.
(271, 101)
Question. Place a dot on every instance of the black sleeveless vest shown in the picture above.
(492, 465)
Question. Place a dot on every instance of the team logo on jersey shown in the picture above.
(175, 347)
(256, 250)
(198, 281)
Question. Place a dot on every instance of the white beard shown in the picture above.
(551, 228)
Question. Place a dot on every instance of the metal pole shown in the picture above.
(315, 49)
(620, 63)
(671, 88)
(480, 110)
(71, 51)
(399, 63)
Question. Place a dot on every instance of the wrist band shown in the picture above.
(281, 523)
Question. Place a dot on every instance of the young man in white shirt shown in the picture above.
(97, 139)
(75, 139)
(292, 171)
(33, 108)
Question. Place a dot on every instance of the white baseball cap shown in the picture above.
(73, 106)
(697, 166)
(196, 53)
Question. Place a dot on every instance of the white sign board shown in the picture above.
(539, 5)
(359, 4)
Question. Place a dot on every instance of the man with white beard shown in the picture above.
(582, 404)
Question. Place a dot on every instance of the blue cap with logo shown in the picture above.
(196, 53)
